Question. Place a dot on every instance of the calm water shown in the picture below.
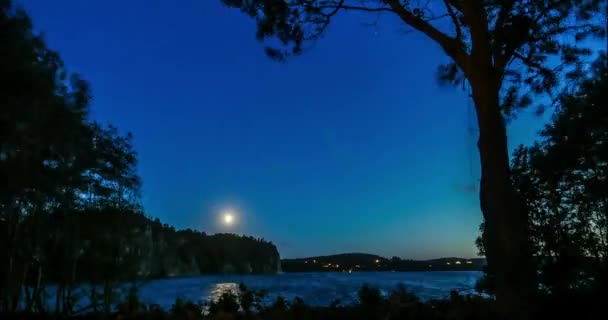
(314, 288)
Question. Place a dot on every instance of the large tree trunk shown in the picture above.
(506, 220)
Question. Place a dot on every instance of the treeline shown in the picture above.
(69, 193)
(563, 179)
(357, 262)
(188, 252)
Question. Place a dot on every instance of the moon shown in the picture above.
(228, 218)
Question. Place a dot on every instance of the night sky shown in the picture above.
(351, 147)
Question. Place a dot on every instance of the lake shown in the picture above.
(315, 288)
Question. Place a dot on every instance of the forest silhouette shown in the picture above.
(70, 211)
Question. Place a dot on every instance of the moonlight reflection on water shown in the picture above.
(318, 289)
(220, 288)
(315, 288)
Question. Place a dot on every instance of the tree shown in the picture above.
(41, 129)
(51, 159)
(69, 193)
(502, 49)
(563, 180)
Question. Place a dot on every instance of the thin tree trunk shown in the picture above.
(506, 220)
(68, 300)
(72, 278)
(107, 297)
(28, 299)
(39, 291)
(12, 225)
(59, 298)
(40, 299)
(94, 297)
(31, 297)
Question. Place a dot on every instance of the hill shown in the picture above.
(353, 262)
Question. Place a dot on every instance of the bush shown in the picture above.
(370, 296)
(371, 302)
(401, 304)
(227, 303)
(186, 309)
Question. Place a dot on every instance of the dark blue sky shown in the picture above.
(351, 147)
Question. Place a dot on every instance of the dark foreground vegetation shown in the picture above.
(399, 304)
(355, 262)
(69, 194)
(563, 180)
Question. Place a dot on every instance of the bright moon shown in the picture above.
(228, 218)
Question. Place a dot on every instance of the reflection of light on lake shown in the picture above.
(220, 288)
(216, 291)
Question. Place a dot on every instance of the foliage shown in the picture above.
(132, 304)
(522, 36)
(563, 179)
(250, 300)
(508, 51)
(69, 199)
(55, 164)
(369, 296)
(370, 302)
(185, 309)
(226, 303)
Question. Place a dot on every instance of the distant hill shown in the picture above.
(353, 262)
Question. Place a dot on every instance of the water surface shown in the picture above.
(315, 288)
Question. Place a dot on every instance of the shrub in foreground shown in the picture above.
(400, 304)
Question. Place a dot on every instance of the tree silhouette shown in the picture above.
(501, 48)
(562, 178)
(69, 194)
(42, 131)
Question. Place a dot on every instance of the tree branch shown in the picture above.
(340, 5)
(530, 63)
(451, 46)
(336, 9)
(433, 18)
(420, 24)
(455, 4)
(561, 30)
(477, 20)
(500, 59)
(546, 10)
(452, 14)
(327, 18)
(376, 9)
(507, 6)
(337, 6)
